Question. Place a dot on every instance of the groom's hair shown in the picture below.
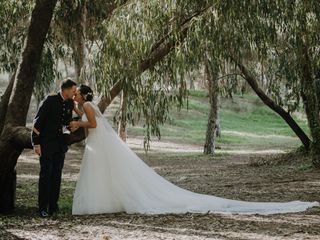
(67, 83)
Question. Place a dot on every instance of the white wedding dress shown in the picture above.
(114, 179)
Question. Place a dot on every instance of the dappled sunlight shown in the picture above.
(163, 146)
(253, 135)
(169, 147)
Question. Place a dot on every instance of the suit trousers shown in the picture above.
(50, 181)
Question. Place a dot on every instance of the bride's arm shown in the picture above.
(91, 123)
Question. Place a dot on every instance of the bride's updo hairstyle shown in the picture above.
(86, 92)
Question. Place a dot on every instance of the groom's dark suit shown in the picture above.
(53, 114)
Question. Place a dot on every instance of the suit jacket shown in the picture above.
(52, 115)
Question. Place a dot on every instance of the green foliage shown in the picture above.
(14, 19)
(45, 76)
(121, 36)
(269, 36)
(130, 37)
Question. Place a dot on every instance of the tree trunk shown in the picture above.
(122, 125)
(311, 102)
(79, 43)
(191, 80)
(271, 104)
(20, 99)
(211, 71)
(5, 101)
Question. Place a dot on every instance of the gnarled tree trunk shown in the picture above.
(20, 99)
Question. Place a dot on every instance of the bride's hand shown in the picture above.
(74, 125)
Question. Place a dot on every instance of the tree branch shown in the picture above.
(158, 52)
(271, 104)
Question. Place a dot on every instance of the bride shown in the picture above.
(114, 179)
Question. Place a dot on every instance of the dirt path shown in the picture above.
(230, 174)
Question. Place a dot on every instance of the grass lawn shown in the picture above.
(245, 120)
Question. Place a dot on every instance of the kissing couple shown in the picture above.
(112, 177)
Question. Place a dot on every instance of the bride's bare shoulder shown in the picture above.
(87, 105)
(88, 108)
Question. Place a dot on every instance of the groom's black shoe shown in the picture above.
(44, 214)
(53, 211)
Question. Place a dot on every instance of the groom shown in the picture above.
(48, 142)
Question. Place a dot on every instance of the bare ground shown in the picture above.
(253, 175)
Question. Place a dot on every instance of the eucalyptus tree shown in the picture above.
(284, 32)
(15, 119)
(35, 63)
(233, 36)
(38, 55)
(145, 48)
(262, 31)
(122, 116)
(148, 32)
(212, 73)
(78, 25)
(14, 18)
